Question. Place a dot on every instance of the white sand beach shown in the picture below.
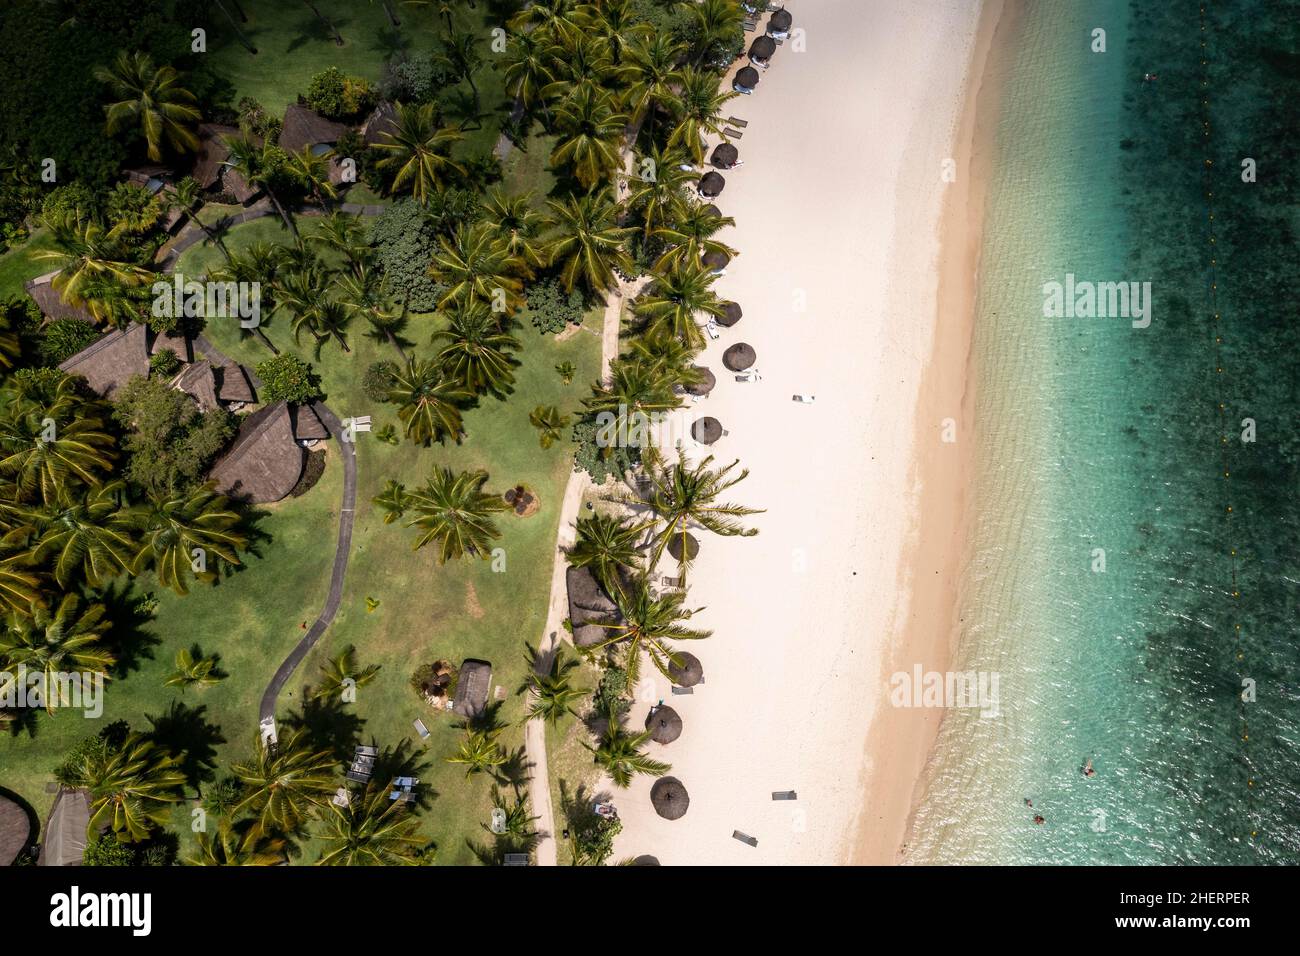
(839, 211)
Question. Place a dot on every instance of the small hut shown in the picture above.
(683, 543)
(706, 430)
(265, 462)
(739, 357)
(64, 841)
(110, 362)
(685, 670)
(472, 688)
(706, 381)
(380, 124)
(746, 80)
(15, 830)
(664, 724)
(670, 798)
(211, 170)
(307, 426)
(302, 127)
(176, 342)
(233, 385)
(779, 23)
(761, 50)
(51, 302)
(588, 602)
(711, 184)
(725, 156)
(731, 314)
(715, 260)
(199, 383)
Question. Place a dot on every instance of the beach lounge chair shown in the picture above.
(732, 133)
(744, 838)
(749, 375)
(683, 690)
(422, 730)
(516, 859)
(804, 399)
(751, 26)
(784, 795)
(712, 328)
(737, 121)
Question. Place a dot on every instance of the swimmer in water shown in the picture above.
(1040, 820)
(1087, 768)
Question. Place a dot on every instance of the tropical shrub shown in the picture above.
(288, 378)
(338, 96)
(551, 309)
(64, 338)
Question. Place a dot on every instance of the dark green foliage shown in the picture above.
(74, 199)
(289, 378)
(339, 97)
(165, 363)
(601, 463)
(405, 238)
(551, 309)
(378, 380)
(64, 338)
(168, 440)
(107, 851)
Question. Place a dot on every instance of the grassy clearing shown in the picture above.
(20, 264)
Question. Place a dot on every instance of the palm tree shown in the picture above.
(718, 24)
(177, 527)
(620, 755)
(194, 669)
(555, 19)
(327, 320)
(18, 588)
(549, 422)
(690, 235)
(589, 243)
(552, 694)
(285, 782)
(479, 751)
(683, 496)
(63, 642)
(46, 446)
(151, 99)
(312, 172)
(185, 196)
(10, 344)
(342, 672)
(427, 401)
(87, 253)
(419, 150)
(346, 234)
(655, 74)
(476, 354)
(676, 297)
(258, 167)
(461, 53)
(393, 501)
(699, 110)
(661, 349)
(634, 388)
(527, 68)
(87, 535)
(607, 544)
(518, 226)
(260, 263)
(453, 512)
(371, 830)
(475, 264)
(660, 181)
(617, 25)
(236, 845)
(590, 135)
(131, 787)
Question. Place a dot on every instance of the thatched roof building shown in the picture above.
(64, 841)
(109, 363)
(739, 357)
(178, 343)
(380, 124)
(716, 260)
(779, 23)
(302, 127)
(670, 798)
(724, 156)
(15, 830)
(307, 425)
(706, 430)
(664, 724)
(761, 50)
(51, 302)
(588, 602)
(472, 688)
(265, 462)
(233, 384)
(200, 383)
(210, 169)
(705, 383)
(686, 670)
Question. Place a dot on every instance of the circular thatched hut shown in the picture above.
(711, 184)
(746, 80)
(706, 430)
(761, 50)
(683, 543)
(731, 314)
(739, 357)
(664, 724)
(670, 798)
(706, 381)
(725, 156)
(686, 670)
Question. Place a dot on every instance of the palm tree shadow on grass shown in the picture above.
(186, 732)
(328, 725)
(257, 537)
(390, 41)
(312, 30)
(128, 640)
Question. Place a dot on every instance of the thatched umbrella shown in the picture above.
(675, 546)
(725, 155)
(712, 184)
(707, 429)
(746, 77)
(664, 725)
(761, 50)
(780, 22)
(739, 357)
(646, 860)
(715, 259)
(670, 798)
(686, 671)
(706, 382)
(731, 315)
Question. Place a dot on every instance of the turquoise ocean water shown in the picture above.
(1095, 436)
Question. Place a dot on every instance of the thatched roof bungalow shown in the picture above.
(15, 830)
(588, 602)
(210, 169)
(302, 127)
(64, 841)
(109, 363)
(233, 384)
(265, 462)
(50, 301)
(473, 685)
(380, 124)
(307, 426)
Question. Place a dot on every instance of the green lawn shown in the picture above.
(20, 264)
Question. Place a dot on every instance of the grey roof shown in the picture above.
(379, 124)
(472, 687)
(64, 841)
(15, 830)
(302, 127)
(264, 463)
(588, 602)
(307, 425)
(198, 382)
(233, 384)
(176, 342)
(110, 362)
(51, 302)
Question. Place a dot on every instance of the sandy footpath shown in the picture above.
(840, 212)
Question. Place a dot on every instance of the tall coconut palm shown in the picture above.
(581, 65)
(718, 26)
(479, 751)
(238, 845)
(10, 345)
(590, 132)
(194, 669)
(327, 320)
(47, 446)
(659, 181)
(661, 349)
(555, 19)
(526, 68)
(116, 304)
(475, 264)
(185, 197)
(285, 782)
(453, 512)
(551, 695)
(518, 226)
(616, 24)
(260, 263)
(392, 501)
(419, 150)
(686, 496)
(655, 74)
(312, 172)
(258, 164)
(649, 623)
(635, 391)
(151, 99)
(476, 353)
(132, 787)
(607, 544)
(87, 253)
(589, 244)
(185, 535)
(461, 53)
(371, 830)
(87, 535)
(676, 297)
(63, 641)
(620, 755)
(341, 673)
(18, 586)
(698, 111)
(345, 234)
(427, 401)
(549, 423)
(689, 235)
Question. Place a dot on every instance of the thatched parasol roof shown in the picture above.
(302, 128)
(64, 839)
(747, 77)
(670, 798)
(15, 830)
(472, 687)
(780, 22)
(199, 383)
(307, 425)
(762, 49)
(51, 302)
(265, 463)
(706, 382)
(588, 602)
(711, 184)
(725, 155)
(715, 259)
(731, 315)
(109, 362)
(686, 671)
(707, 429)
(675, 546)
(664, 724)
(739, 357)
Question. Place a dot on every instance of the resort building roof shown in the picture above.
(472, 687)
(264, 463)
